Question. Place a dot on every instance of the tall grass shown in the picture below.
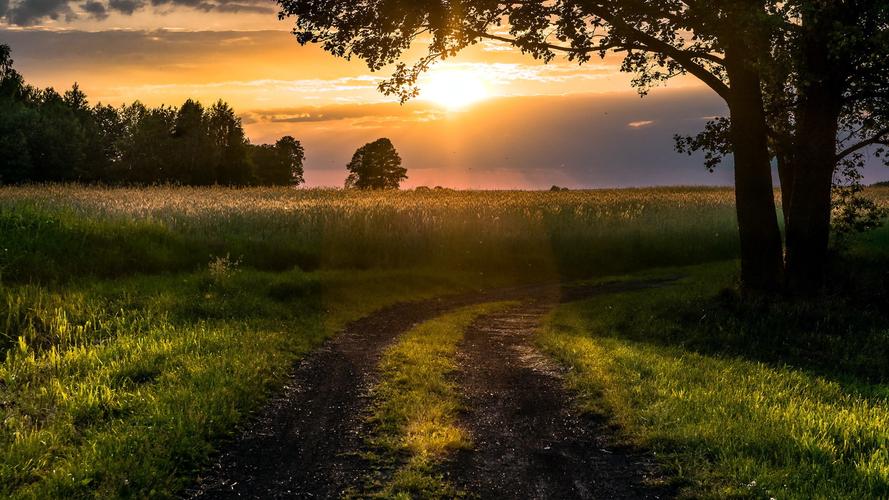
(60, 232)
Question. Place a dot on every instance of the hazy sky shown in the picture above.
(491, 118)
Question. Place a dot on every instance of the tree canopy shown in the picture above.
(376, 165)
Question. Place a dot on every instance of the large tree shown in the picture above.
(727, 44)
(826, 91)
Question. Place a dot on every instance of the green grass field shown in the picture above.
(741, 400)
(141, 325)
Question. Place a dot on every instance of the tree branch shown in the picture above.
(881, 137)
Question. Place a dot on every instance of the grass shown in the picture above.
(125, 356)
(777, 400)
(416, 406)
(119, 389)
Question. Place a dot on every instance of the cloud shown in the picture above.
(126, 7)
(95, 9)
(363, 115)
(31, 12)
(640, 124)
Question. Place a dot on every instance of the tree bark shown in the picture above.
(820, 104)
(761, 246)
(808, 230)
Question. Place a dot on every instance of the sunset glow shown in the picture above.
(454, 89)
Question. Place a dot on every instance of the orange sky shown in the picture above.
(586, 125)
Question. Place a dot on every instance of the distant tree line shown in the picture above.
(50, 137)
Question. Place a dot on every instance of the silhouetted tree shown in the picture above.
(233, 167)
(58, 143)
(148, 150)
(195, 163)
(94, 164)
(376, 166)
(16, 122)
(279, 165)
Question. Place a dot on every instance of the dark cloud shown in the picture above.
(30, 12)
(95, 9)
(126, 6)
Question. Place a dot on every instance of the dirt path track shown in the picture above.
(531, 442)
(304, 443)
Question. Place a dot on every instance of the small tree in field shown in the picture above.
(376, 166)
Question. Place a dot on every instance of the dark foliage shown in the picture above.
(48, 137)
(376, 166)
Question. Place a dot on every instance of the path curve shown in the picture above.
(305, 442)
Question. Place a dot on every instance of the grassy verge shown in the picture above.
(751, 400)
(118, 388)
(415, 415)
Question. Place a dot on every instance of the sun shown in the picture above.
(453, 89)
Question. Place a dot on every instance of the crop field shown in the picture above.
(142, 326)
(54, 232)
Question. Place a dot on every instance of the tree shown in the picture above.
(232, 165)
(827, 99)
(279, 165)
(376, 166)
(15, 122)
(196, 164)
(11, 82)
(58, 142)
(147, 147)
(727, 44)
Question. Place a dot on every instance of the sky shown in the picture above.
(489, 119)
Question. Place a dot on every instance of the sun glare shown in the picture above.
(453, 89)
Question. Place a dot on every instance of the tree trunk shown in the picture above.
(808, 227)
(761, 248)
(808, 230)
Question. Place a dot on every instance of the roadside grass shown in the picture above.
(738, 399)
(416, 404)
(114, 389)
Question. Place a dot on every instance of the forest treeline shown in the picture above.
(46, 136)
